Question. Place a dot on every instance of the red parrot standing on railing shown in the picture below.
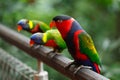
(79, 42)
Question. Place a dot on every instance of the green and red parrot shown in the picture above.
(43, 38)
(34, 26)
(79, 43)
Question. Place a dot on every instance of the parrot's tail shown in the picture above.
(97, 68)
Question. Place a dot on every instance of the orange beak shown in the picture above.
(52, 24)
(31, 43)
(19, 28)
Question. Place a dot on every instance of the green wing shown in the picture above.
(43, 26)
(87, 47)
(55, 35)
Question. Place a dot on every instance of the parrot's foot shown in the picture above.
(80, 67)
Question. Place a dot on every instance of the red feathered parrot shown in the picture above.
(79, 43)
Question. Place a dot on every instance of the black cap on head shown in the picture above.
(61, 17)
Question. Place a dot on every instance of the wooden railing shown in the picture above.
(58, 62)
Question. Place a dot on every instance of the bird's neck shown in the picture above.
(36, 28)
(64, 27)
(68, 26)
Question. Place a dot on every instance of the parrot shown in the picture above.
(79, 43)
(34, 26)
(42, 38)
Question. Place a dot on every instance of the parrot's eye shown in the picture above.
(59, 21)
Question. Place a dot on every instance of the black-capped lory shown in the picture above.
(43, 38)
(79, 43)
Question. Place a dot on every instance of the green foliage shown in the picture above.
(100, 18)
(104, 3)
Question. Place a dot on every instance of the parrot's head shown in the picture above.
(24, 24)
(38, 38)
(63, 24)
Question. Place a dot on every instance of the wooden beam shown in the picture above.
(58, 62)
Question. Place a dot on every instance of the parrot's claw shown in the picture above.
(80, 67)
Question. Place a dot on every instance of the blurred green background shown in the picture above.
(100, 18)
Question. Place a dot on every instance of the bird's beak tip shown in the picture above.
(19, 28)
(31, 43)
(52, 24)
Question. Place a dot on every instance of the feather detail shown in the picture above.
(30, 24)
(36, 29)
(97, 68)
(78, 54)
(51, 43)
(44, 37)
